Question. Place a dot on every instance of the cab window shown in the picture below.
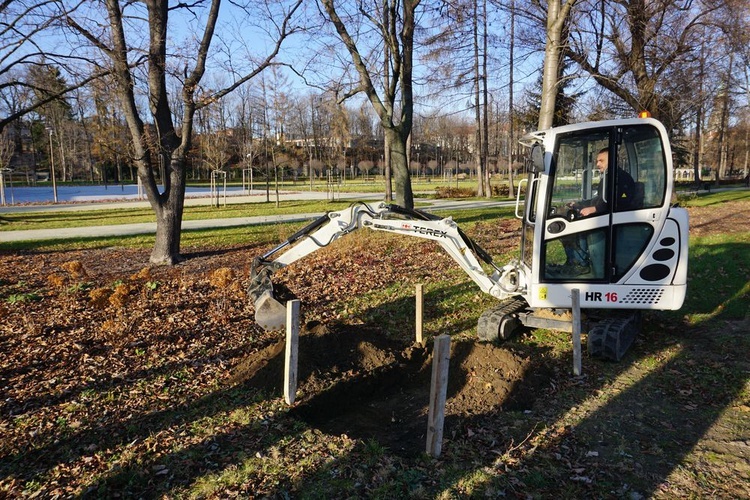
(641, 156)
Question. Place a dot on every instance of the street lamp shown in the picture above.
(52, 164)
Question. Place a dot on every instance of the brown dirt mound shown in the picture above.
(353, 381)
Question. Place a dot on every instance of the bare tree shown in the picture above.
(511, 56)
(23, 26)
(172, 143)
(639, 50)
(387, 86)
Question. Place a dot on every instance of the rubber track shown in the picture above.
(612, 337)
(498, 322)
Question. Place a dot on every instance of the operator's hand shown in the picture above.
(588, 211)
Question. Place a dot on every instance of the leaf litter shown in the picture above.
(130, 379)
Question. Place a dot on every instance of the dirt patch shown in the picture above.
(355, 382)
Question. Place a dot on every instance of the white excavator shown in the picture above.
(597, 216)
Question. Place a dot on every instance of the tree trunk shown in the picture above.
(746, 165)
(697, 150)
(400, 168)
(511, 189)
(485, 110)
(557, 13)
(387, 169)
(477, 110)
(549, 81)
(168, 208)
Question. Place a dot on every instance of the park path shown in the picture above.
(150, 227)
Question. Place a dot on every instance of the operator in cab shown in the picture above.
(598, 204)
(576, 247)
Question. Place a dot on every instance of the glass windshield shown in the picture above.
(577, 180)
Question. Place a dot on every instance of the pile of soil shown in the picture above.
(354, 381)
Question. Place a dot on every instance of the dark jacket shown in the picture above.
(625, 192)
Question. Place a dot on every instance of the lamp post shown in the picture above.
(52, 165)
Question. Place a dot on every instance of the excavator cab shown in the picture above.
(610, 231)
(598, 217)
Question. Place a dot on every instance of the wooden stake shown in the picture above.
(420, 314)
(576, 295)
(441, 354)
(292, 348)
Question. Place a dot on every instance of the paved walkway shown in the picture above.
(150, 227)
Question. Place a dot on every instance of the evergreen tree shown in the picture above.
(564, 102)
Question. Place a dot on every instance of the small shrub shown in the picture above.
(143, 274)
(75, 268)
(79, 287)
(222, 277)
(99, 297)
(452, 192)
(55, 280)
(18, 298)
(501, 191)
(121, 295)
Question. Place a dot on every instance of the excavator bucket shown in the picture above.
(270, 314)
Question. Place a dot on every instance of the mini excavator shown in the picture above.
(628, 256)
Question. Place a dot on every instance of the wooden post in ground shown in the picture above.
(441, 354)
(419, 315)
(576, 295)
(292, 348)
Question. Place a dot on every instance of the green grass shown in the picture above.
(718, 278)
(99, 217)
(708, 199)
(258, 234)
(191, 240)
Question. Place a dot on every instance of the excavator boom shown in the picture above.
(271, 315)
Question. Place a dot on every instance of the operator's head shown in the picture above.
(602, 159)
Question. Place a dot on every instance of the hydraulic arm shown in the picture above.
(271, 315)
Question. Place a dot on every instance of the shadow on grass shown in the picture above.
(397, 316)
